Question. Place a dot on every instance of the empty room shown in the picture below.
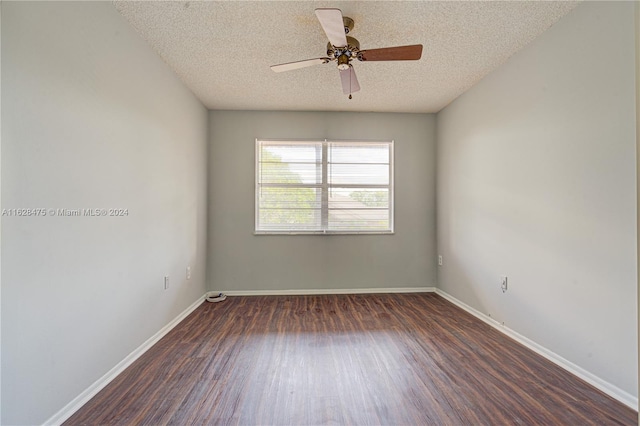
(319, 212)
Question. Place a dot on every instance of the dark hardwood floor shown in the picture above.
(392, 359)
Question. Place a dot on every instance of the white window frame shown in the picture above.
(325, 186)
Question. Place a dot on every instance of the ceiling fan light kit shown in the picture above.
(343, 49)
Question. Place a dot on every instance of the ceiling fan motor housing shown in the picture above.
(348, 24)
(344, 54)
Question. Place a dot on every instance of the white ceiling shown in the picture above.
(222, 50)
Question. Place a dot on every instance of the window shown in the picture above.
(324, 187)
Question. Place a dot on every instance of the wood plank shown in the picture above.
(344, 359)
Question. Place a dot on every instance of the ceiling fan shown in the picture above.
(343, 49)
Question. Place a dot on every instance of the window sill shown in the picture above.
(323, 233)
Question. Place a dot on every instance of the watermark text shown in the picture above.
(65, 212)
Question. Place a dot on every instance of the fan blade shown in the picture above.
(333, 26)
(349, 81)
(400, 53)
(298, 64)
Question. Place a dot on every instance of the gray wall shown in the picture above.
(537, 181)
(91, 118)
(238, 260)
(638, 156)
(0, 215)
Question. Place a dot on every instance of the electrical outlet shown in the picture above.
(166, 283)
(439, 260)
(503, 283)
(188, 272)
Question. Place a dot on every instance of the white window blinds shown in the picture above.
(324, 187)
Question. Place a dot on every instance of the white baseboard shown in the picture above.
(299, 292)
(606, 387)
(69, 409)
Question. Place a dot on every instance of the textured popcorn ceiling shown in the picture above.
(223, 50)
